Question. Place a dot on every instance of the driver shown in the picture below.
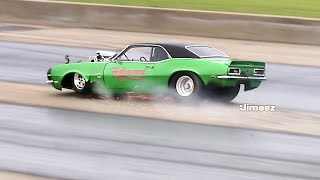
(99, 57)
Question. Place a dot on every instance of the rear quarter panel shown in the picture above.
(203, 68)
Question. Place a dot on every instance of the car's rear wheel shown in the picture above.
(225, 94)
(80, 85)
(186, 87)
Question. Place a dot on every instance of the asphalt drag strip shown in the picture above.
(80, 145)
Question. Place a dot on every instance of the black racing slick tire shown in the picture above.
(186, 87)
(225, 94)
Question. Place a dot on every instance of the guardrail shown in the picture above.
(165, 21)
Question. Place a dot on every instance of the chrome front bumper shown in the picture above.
(239, 77)
(51, 82)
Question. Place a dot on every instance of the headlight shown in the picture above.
(49, 74)
(234, 71)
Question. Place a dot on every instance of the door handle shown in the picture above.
(150, 67)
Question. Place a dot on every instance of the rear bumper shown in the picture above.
(239, 77)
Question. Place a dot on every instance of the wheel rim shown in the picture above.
(185, 86)
(79, 81)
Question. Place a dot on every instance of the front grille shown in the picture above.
(259, 72)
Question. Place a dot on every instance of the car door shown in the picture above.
(131, 70)
(137, 69)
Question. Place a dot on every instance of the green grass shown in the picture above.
(301, 8)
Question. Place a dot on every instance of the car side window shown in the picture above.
(136, 54)
(158, 54)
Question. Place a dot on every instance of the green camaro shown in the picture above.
(180, 70)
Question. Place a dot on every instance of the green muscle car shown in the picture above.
(180, 70)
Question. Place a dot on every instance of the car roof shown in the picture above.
(176, 50)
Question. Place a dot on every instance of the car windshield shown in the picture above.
(206, 52)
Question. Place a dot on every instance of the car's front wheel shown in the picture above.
(80, 85)
(186, 87)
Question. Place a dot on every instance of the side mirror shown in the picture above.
(67, 58)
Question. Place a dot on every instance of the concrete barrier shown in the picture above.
(165, 21)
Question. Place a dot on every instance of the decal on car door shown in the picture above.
(123, 73)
